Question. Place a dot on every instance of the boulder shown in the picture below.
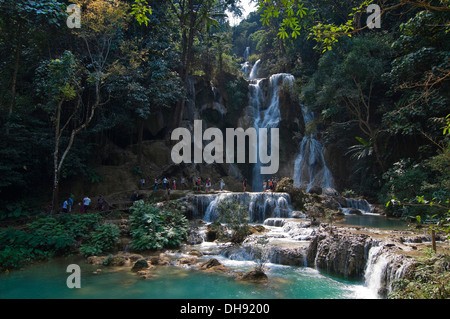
(213, 265)
(316, 190)
(187, 261)
(95, 260)
(255, 276)
(160, 260)
(139, 265)
(195, 253)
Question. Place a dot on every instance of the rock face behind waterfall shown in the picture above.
(337, 254)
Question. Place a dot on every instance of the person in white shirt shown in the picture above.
(65, 206)
(86, 202)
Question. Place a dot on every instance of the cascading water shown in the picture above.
(246, 67)
(266, 118)
(260, 205)
(360, 204)
(383, 268)
(254, 72)
(310, 167)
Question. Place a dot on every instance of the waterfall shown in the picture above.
(260, 205)
(269, 117)
(382, 268)
(376, 265)
(246, 53)
(310, 168)
(254, 72)
(360, 204)
(246, 67)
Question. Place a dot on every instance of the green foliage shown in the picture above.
(56, 79)
(419, 75)
(155, 228)
(430, 280)
(46, 237)
(140, 9)
(235, 216)
(102, 239)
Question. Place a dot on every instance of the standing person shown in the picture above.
(182, 183)
(264, 186)
(274, 185)
(156, 184)
(168, 193)
(70, 202)
(199, 181)
(100, 203)
(208, 184)
(86, 202)
(244, 183)
(174, 185)
(65, 206)
(165, 183)
(222, 184)
(142, 183)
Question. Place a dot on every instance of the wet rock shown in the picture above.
(316, 190)
(340, 254)
(354, 211)
(95, 260)
(276, 222)
(161, 260)
(140, 265)
(144, 274)
(117, 260)
(195, 252)
(187, 261)
(213, 265)
(298, 214)
(194, 237)
(255, 276)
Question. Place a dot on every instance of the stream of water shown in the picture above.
(48, 281)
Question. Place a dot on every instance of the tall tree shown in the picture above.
(60, 79)
(21, 22)
(193, 17)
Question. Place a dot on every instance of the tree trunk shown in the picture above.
(14, 76)
(140, 137)
(56, 170)
(433, 240)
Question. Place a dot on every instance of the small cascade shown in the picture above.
(246, 67)
(310, 167)
(260, 205)
(246, 53)
(383, 268)
(254, 72)
(360, 204)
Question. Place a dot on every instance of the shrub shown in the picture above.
(236, 217)
(155, 228)
(44, 238)
(103, 239)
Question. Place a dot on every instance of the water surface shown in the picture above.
(48, 281)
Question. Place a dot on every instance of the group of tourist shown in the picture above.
(270, 185)
(85, 203)
(196, 183)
